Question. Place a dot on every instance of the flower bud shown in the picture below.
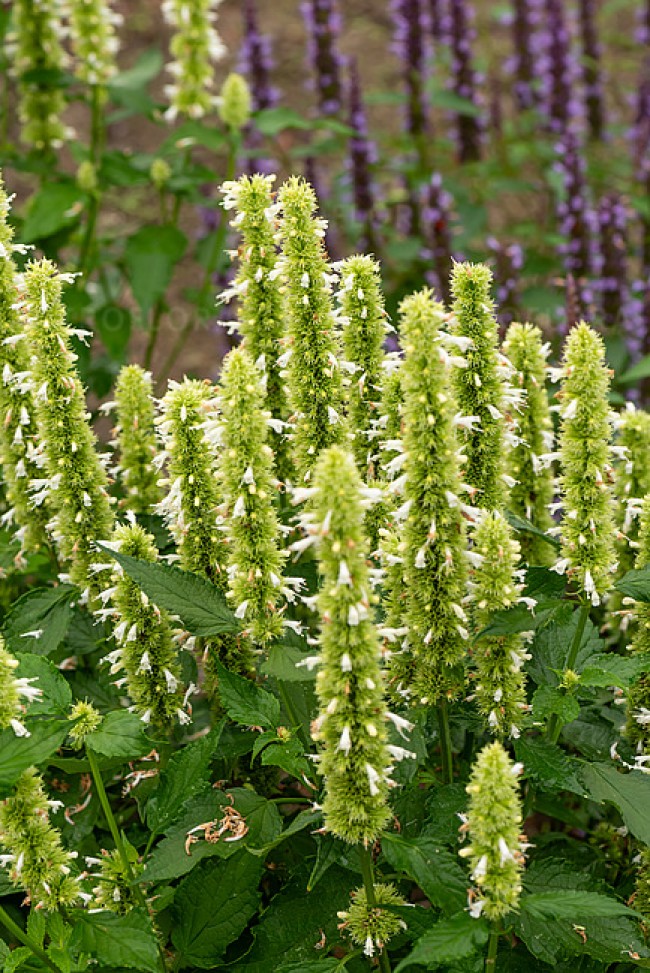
(371, 926)
(86, 720)
(87, 177)
(234, 105)
(160, 173)
(638, 695)
(114, 889)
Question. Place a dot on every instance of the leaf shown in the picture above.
(306, 819)
(44, 610)
(244, 702)
(525, 526)
(187, 772)
(54, 207)
(544, 584)
(546, 764)
(550, 646)
(509, 621)
(150, 255)
(113, 325)
(200, 605)
(607, 669)
(117, 941)
(56, 693)
(549, 700)
(212, 907)
(635, 584)
(449, 941)
(331, 851)
(146, 68)
(284, 658)
(639, 371)
(288, 756)
(574, 905)
(630, 793)
(435, 869)
(19, 753)
(272, 121)
(121, 734)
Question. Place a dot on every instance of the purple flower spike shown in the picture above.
(363, 156)
(558, 70)
(577, 221)
(410, 32)
(640, 144)
(323, 23)
(525, 28)
(591, 69)
(464, 78)
(507, 261)
(437, 232)
(437, 21)
(612, 277)
(256, 65)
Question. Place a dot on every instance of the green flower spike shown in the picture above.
(19, 456)
(94, 40)
(38, 862)
(260, 318)
(380, 522)
(38, 30)
(429, 669)
(86, 720)
(530, 460)
(493, 821)
(642, 893)
(15, 692)
(372, 926)
(136, 439)
(365, 327)
(234, 102)
(114, 889)
(498, 659)
(245, 469)
(195, 47)
(638, 697)
(482, 392)
(587, 554)
(314, 375)
(632, 478)
(355, 759)
(146, 650)
(75, 482)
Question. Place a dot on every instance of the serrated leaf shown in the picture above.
(331, 851)
(449, 941)
(19, 753)
(525, 527)
(630, 793)
(56, 693)
(55, 206)
(305, 819)
(121, 734)
(550, 646)
(436, 871)
(244, 702)
(212, 907)
(288, 756)
(546, 764)
(510, 621)
(607, 669)
(117, 941)
(43, 610)
(150, 256)
(284, 658)
(544, 584)
(573, 904)
(201, 606)
(550, 700)
(635, 584)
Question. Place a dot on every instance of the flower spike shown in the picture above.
(136, 439)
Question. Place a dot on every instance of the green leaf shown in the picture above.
(201, 606)
(630, 793)
(121, 734)
(57, 694)
(636, 584)
(449, 941)
(550, 646)
(544, 584)
(509, 621)
(639, 371)
(450, 101)
(117, 941)
(547, 765)
(146, 68)
(284, 658)
(212, 907)
(289, 756)
(549, 700)
(113, 325)
(187, 772)
(573, 904)
(54, 207)
(150, 257)
(525, 526)
(244, 702)
(607, 669)
(272, 121)
(19, 753)
(436, 871)
(331, 851)
(306, 819)
(47, 613)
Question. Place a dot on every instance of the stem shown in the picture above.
(554, 723)
(97, 131)
(365, 858)
(445, 742)
(153, 333)
(493, 945)
(26, 940)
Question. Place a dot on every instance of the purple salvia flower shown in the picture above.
(576, 220)
(363, 156)
(591, 69)
(256, 65)
(323, 22)
(612, 264)
(559, 71)
(525, 27)
(640, 143)
(410, 33)
(437, 231)
(506, 261)
(437, 21)
(464, 78)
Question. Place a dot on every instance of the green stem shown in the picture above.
(367, 871)
(26, 940)
(445, 742)
(554, 726)
(493, 945)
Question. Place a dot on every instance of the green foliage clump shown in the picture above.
(135, 435)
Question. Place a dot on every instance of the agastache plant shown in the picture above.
(16, 692)
(94, 42)
(135, 439)
(612, 280)
(591, 68)
(323, 23)
(362, 159)
(525, 25)
(195, 47)
(558, 69)
(438, 234)
(245, 465)
(256, 60)
(410, 46)
(313, 373)
(577, 221)
(75, 482)
(632, 483)
(638, 696)
(529, 461)
(507, 260)
(464, 79)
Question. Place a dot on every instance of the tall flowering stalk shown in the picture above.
(525, 27)
(507, 260)
(146, 651)
(195, 47)
(493, 824)
(256, 64)
(613, 281)
(38, 33)
(362, 158)
(464, 79)
(437, 21)
(18, 450)
(314, 377)
(409, 18)
(638, 697)
(533, 491)
(93, 26)
(260, 317)
(15, 693)
(38, 862)
(577, 221)
(135, 439)
(323, 22)
(245, 464)
(438, 234)
(558, 69)
(591, 68)
(632, 482)
(75, 483)
(499, 678)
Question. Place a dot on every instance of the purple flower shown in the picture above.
(437, 232)
(612, 263)
(576, 220)
(525, 27)
(323, 23)
(464, 79)
(591, 69)
(437, 21)
(559, 71)
(256, 65)
(409, 44)
(507, 260)
(363, 156)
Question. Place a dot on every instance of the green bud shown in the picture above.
(87, 177)
(195, 47)
(234, 105)
(315, 386)
(498, 659)
(245, 469)
(94, 40)
(136, 439)
(13, 690)
(587, 553)
(86, 720)
(39, 863)
(371, 926)
(160, 173)
(496, 852)
(114, 889)
(533, 492)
